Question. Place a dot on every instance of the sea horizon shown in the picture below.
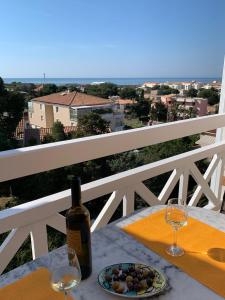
(116, 80)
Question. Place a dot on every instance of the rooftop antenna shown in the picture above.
(44, 79)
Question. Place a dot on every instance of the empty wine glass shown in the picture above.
(176, 216)
(66, 274)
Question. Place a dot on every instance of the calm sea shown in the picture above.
(119, 81)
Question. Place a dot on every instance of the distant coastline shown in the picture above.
(118, 81)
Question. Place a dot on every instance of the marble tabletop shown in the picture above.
(111, 245)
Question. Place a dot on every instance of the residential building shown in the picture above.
(122, 103)
(215, 84)
(174, 85)
(197, 85)
(199, 104)
(149, 84)
(187, 85)
(67, 107)
(154, 93)
(168, 99)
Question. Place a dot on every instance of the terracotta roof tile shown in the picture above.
(72, 99)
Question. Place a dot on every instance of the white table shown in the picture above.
(111, 245)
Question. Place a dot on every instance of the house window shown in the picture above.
(73, 115)
(56, 109)
(41, 105)
(30, 106)
(42, 118)
(30, 115)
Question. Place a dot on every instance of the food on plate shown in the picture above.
(108, 277)
(132, 279)
(115, 285)
(129, 278)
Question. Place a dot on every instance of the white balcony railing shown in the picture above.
(31, 218)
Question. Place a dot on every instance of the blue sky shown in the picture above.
(112, 38)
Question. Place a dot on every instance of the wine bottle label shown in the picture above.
(74, 241)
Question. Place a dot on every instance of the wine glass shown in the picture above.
(176, 215)
(66, 274)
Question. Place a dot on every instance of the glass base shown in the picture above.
(174, 251)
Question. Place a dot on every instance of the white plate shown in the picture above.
(158, 285)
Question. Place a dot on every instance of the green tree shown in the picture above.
(140, 109)
(58, 131)
(192, 93)
(11, 112)
(210, 94)
(72, 87)
(173, 112)
(22, 87)
(48, 138)
(125, 161)
(164, 90)
(180, 112)
(192, 112)
(158, 112)
(92, 124)
(127, 93)
(140, 95)
(163, 150)
(156, 87)
(103, 90)
(2, 87)
(5, 143)
(48, 89)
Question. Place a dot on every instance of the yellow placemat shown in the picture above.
(35, 286)
(204, 258)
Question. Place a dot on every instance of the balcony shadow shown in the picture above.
(217, 254)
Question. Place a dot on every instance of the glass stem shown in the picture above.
(65, 295)
(174, 238)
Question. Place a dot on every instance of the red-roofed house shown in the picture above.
(67, 107)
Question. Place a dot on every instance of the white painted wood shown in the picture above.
(39, 240)
(216, 184)
(11, 245)
(31, 160)
(210, 206)
(108, 210)
(183, 186)
(33, 212)
(219, 191)
(208, 173)
(169, 186)
(206, 189)
(128, 203)
(58, 222)
(220, 136)
(146, 194)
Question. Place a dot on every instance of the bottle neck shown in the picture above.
(76, 192)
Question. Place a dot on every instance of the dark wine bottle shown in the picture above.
(78, 229)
